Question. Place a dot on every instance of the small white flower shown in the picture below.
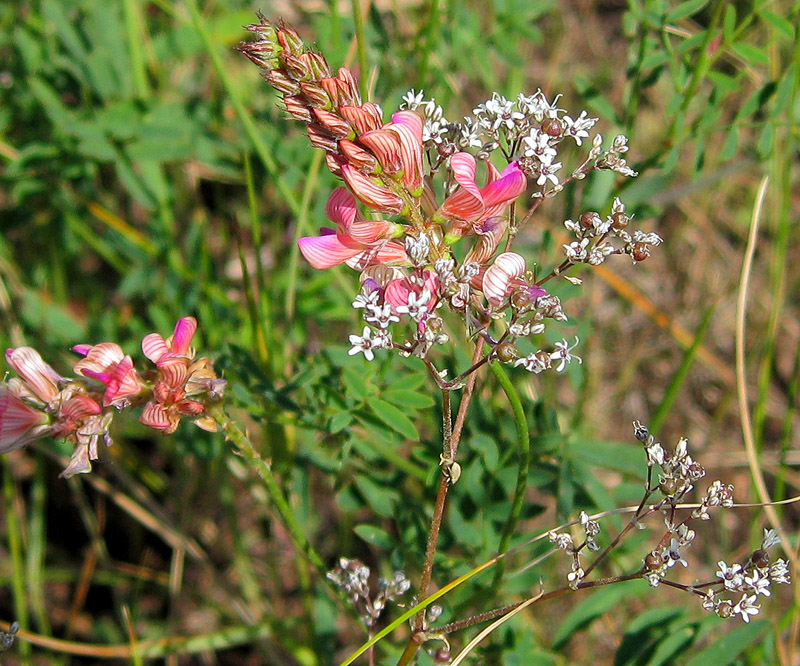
(411, 100)
(770, 539)
(758, 583)
(417, 306)
(577, 128)
(366, 342)
(731, 576)
(746, 607)
(364, 300)
(563, 354)
(380, 315)
(779, 572)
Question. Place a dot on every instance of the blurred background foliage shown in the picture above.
(147, 173)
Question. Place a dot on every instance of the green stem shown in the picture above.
(524, 447)
(17, 564)
(358, 21)
(264, 470)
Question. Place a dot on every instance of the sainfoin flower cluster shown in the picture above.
(40, 403)
(423, 248)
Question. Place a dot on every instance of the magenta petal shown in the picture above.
(326, 251)
(341, 207)
(82, 349)
(17, 422)
(184, 332)
(504, 190)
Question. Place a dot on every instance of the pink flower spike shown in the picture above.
(20, 424)
(496, 280)
(39, 377)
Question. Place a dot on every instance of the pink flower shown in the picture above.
(370, 193)
(356, 241)
(504, 276)
(179, 377)
(471, 204)
(106, 363)
(398, 147)
(39, 379)
(398, 293)
(20, 424)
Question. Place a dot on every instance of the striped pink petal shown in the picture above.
(408, 127)
(123, 384)
(20, 424)
(341, 207)
(154, 347)
(506, 188)
(466, 203)
(370, 193)
(496, 280)
(181, 339)
(369, 231)
(385, 145)
(99, 358)
(156, 416)
(390, 252)
(328, 250)
(40, 377)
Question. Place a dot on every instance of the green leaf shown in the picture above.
(354, 384)
(394, 418)
(725, 650)
(750, 53)
(782, 25)
(729, 22)
(340, 421)
(684, 10)
(408, 398)
(380, 499)
(675, 642)
(598, 603)
(375, 536)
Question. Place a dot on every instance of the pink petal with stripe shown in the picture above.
(327, 251)
(496, 280)
(40, 377)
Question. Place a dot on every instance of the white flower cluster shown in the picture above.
(594, 237)
(541, 360)
(352, 577)
(752, 580)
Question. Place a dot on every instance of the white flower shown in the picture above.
(538, 146)
(770, 539)
(417, 306)
(758, 583)
(746, 607)
(779, 572)
(563, 354)
(577, 128)
(368, 341)
(380, 315)
(731, 576)
(364, 300)
(411, 100)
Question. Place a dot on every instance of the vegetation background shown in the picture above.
(146, 173)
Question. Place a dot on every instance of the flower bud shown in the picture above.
(506, 352)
